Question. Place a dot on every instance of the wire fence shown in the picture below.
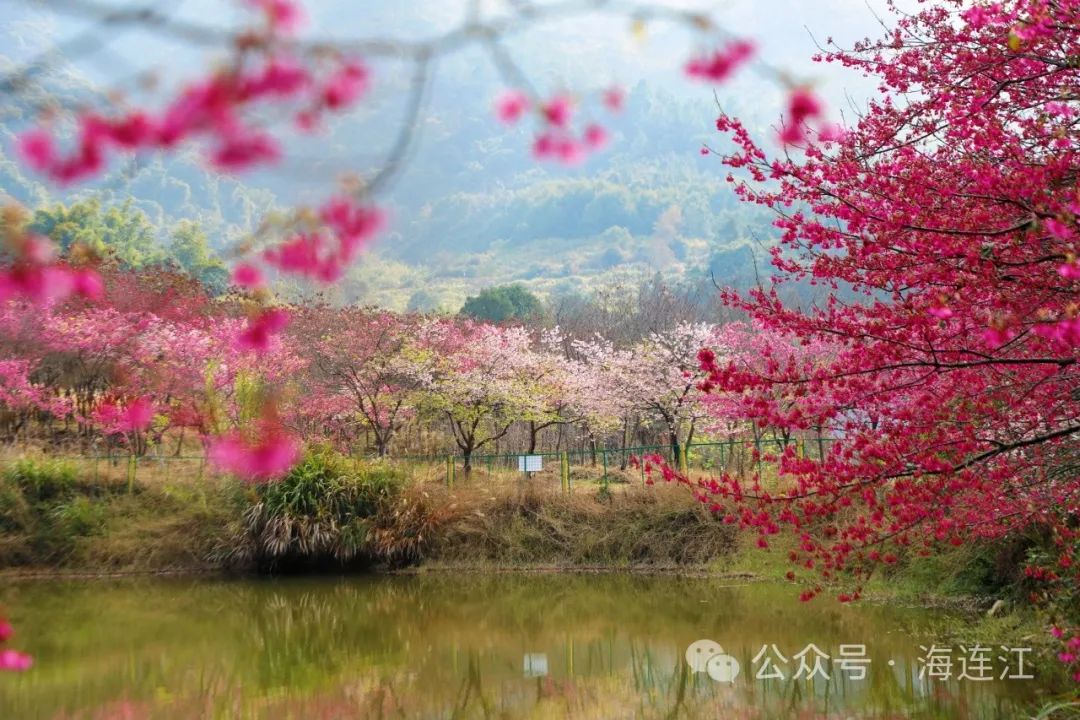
(580, 466)
(607, 465)
(116, 468)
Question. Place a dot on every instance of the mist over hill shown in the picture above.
(472, 208)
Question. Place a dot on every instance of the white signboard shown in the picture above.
(530, 463)
(535, 664)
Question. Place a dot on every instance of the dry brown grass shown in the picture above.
(523, 523)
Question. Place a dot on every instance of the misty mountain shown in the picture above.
(472, 208)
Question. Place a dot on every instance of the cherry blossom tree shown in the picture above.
(551, 383)
(761, 350)
(948, 216)
(656, 378)
(366, 358)
(481, 379)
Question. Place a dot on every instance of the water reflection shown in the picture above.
(479, 646)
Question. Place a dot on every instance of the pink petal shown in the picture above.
(13, 660)
(246, 275)
(511, 105)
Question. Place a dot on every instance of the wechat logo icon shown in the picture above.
(708, 657)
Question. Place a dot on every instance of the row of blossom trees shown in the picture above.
(154, 364)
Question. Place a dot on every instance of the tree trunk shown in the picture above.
(533, 432)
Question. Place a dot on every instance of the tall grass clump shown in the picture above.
(322, 513)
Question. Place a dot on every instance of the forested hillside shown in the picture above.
(471, 211)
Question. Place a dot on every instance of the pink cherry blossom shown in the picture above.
(570, 151)
(125, 417)
(560, 147)
(355, 225)
(247, 276)
(803, 106)
(559, 110)
(283, 15)
(87, 283)
(37, 150)
(596, 137)
(281, 77)
(347, 85)
(33, 278)
(511, 106)
(240, 152)
(995, 336)
(544, 146)
(721, 63)
(1058, 229)
(614, 99)
(261, 329)
(269, 455)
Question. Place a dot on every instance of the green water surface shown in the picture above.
(480, 646)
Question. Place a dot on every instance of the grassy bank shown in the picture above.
(332, 513)
(54, 518)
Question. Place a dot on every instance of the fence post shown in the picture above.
(604, 455)
(564, 471)
(132, 465)
(684, 460)
(449, 471)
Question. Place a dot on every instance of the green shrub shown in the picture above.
(44, 511)
(42, 480)
(15, 514)
(80, 517)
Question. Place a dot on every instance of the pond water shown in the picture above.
(486, 646)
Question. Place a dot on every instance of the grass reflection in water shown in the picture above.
(472, 646)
